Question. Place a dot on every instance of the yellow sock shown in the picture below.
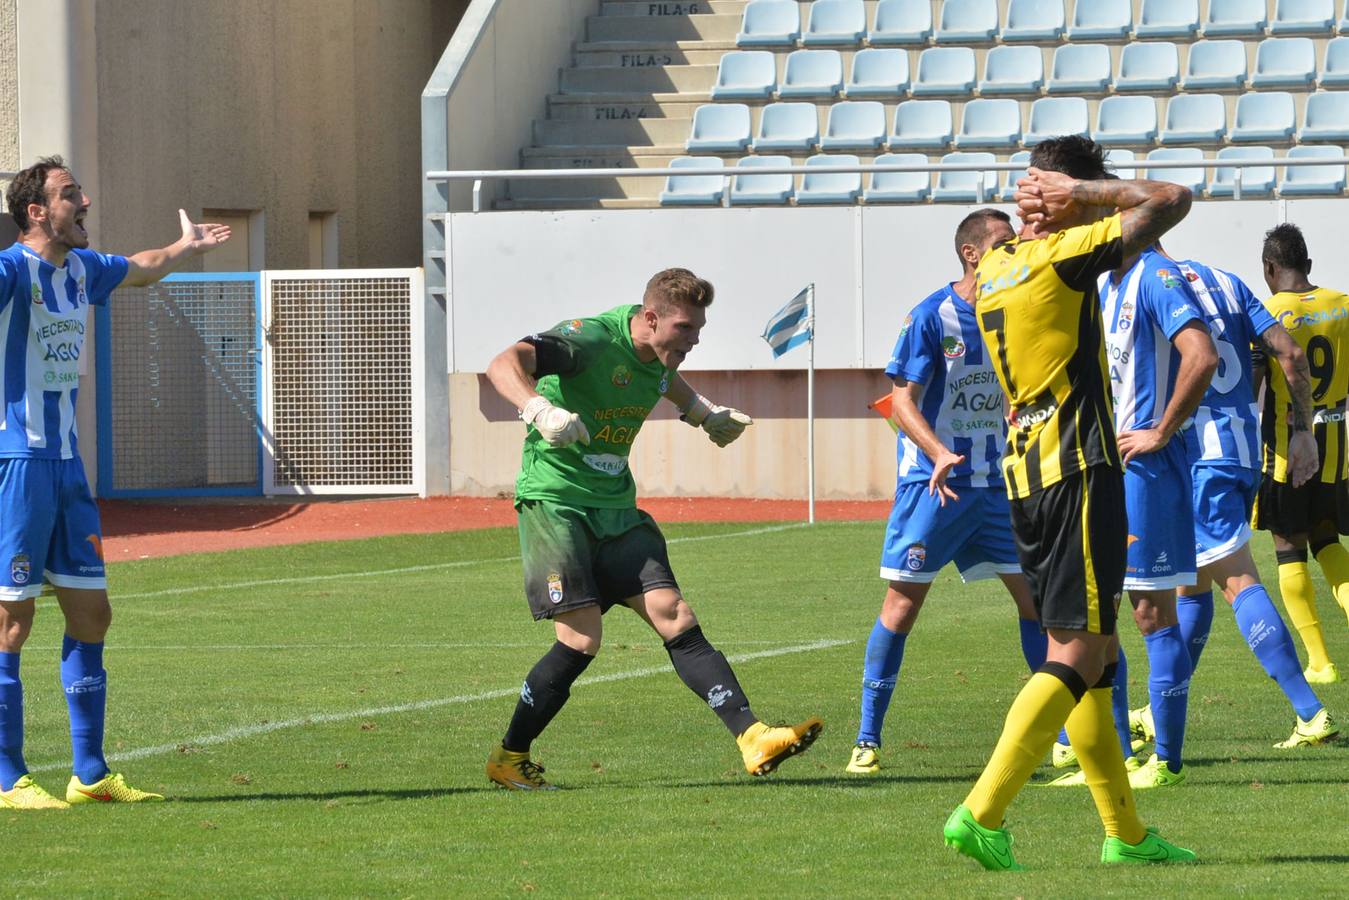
(1091, 728)
(1299, 598)
(1037, 714)
(1334, 560)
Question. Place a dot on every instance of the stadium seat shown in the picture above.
(1326, 117)
(854, 125)
(1313, 179)
(924, 124)
(1302, 17)
(1256, 181)
(1284, 62)
(1243, 17)
(1195, 118)
(719, 128)
(1343, 25)
(1121, 162)
(878, 72)
(1335, 67)
(1080, 69)
(901, 22)
(990, 123)
(830, 187)
(1097, 20)
(967, 21)
(815, 74)
(1033, 20)
(963, 187)
(770, 23)
(1216, 65)
(1261, 118)
(1190, 178)
(835, 22)
(1167, 18)
(899, 187)
(1152, 66)
(693, 190)
(1126, 120)
(1053, 116)
(1009, 179)
(761, 189)
(788, 126)
(944, 70)
(1012, 70)
(745, 75)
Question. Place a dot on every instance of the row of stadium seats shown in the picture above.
(1014, 70)
(778, 23)
(927, 124)
(964, 187)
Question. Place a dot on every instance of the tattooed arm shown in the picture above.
(1149, 208)
(1279, 345)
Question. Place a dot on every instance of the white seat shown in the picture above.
(1303, 17)
(720, 128)
(1012, 70)
(750, 189)
(1080, 69)
(1192, 178)
(1326, 117)
(1284, 62)
(944, 70)
(923, 124)
(1195, 118)
(1126, 120)
(967, 187)
(901, 22)
(770, 23)
(990, 123)
(1098, 20)
(967, 21)
(812, 74)
(1335, 64)
(1216, 65)
(830, 187)
(788, 126)
(1255, 180)
(878, 72)
(1243, 17)
(1054, 116)
(745, 74)
(1313, 179)
(1033, 20)
(1167, 18)
(854, 124)
(1262, 118)
(694, 190)
(835, 22)
(899, 187)
(1153, 66)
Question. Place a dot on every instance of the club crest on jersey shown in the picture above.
(554, 587)
(20, 568)
(952, 347)
(1126, 316)
(904, 329)
(1169, 279)
(81, 297)
(37, 295)
(572, 327)
(917, 556)
(622, 377)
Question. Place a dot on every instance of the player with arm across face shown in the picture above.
(584, 389)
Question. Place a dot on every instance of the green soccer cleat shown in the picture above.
(1319, 730)
(864, 760)
(1064, 756)
(1327, 675)
(28, 794)
(111, 788)
(1152, 849)
(989, 847)
(1140, 723)
(1154, 774)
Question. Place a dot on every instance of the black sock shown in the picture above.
(546, 688)
(709, 675)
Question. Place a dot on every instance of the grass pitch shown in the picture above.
(319, 716)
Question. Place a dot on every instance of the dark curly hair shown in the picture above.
(30, 186)
(1072, 154)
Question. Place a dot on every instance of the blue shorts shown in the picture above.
(1160, 554)
(922, 536)
(1223, 499)
(49, 528)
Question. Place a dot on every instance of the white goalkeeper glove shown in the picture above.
(721, 423)
(557, 426)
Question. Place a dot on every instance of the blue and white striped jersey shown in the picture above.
(1227, 424)
(43, 317)
(1141, 313)
(940, 347)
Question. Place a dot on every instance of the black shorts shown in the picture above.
(1072, 539)
(1286, 510)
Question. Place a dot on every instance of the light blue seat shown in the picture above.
(835, 22)
(1195, 119)
(745, 74)
(770, 23)
(922, 124)
(1012, 70)
(1244, 17)
(1126, 120)
(830, 187)
(1326, 117)
(1262, 118)
(1313, 179)
(1152, 66)
(1284, 62)
(788, 126)
(854, 125)
(1343, 26)
(1167, 18)
(990, 123)
(963, 187)
(761, 189)
(1121, 162)
(719, 128)
(901, 22)
(1256, 181)
(1054, 116)
(1033, 20)
(878, 72)
(1302, 17)
(944, 70)
(967, 21)
(813, 74)
(1009, 179)
(694, 190)
(1216, 65)
(1335, 66)
(899, 187)
(1080, 69)
(1101, 20)
(1190, 178)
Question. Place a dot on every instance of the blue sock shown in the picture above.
(1196, 619)
(1119, 703)
(1169, 691)
(1269, 640)
(86, 685)
(12, 766)
(1034, 643)
(885, 652)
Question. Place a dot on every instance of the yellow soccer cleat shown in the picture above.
(864, 760)
(1079, 778)
(1319, 730)
(28, 794)
(1328, 675)
(1064, 756)
(1140, 723)
(111, 788)
(765, 746)
(1154, 774)
(515, 771)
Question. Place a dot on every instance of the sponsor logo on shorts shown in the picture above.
(917, 556)
(622, 376)
(555, 587)
(718, 695)
(526, 695)
(20, 568)
(952, 347)
(1161, 564)
(97, 543)
(89, 684)
(607, 463)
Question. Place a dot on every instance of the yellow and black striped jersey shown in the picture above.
(1040, 317)
(1319, 321)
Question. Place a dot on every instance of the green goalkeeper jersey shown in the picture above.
(589, 367)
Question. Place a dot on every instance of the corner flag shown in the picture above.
(791, 326)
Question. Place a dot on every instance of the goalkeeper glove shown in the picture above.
(557, 426)
(721, 423)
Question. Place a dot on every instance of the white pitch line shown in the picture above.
(248, 731)
(478, 645)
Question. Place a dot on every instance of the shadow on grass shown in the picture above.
(1323, 858)
(406, 794)
(868, 781)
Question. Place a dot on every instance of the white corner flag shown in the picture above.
(793, 325)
